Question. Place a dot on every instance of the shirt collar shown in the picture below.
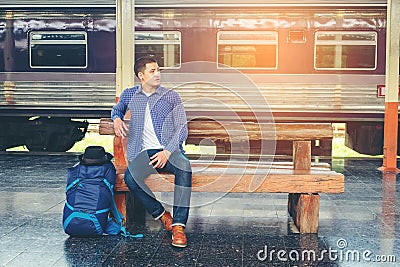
(160, 90)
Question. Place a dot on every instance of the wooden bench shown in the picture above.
(301, 179)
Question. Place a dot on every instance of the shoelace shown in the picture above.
(165, 219)
(178, 230)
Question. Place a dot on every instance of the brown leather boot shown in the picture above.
(166, 219)
(178, 236)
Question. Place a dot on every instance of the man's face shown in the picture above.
(151, 75)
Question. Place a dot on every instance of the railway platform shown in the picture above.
(357, 228)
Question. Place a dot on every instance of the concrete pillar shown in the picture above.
(125, 15)
(392, 86)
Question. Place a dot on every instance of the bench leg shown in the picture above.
(120, 201)
(304, 209)
(135, 211)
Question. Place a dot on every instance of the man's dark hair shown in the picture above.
(140, 63)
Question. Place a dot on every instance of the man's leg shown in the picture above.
(135, 175)
(179, 165)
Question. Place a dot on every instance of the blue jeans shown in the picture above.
(179, 165)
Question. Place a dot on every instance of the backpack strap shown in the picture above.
(71, 185)
(117, 217)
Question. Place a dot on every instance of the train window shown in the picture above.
(165, 46)
(248, 50)
(65, 49)
(345, 50)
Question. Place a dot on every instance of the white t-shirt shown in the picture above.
(150, 140)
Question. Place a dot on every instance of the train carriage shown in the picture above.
(314, 61)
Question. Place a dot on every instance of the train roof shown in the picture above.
(189, 3)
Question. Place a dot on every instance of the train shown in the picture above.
(312, 61)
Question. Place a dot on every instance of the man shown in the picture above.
(158, 127)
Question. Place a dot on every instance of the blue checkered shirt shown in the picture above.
(167, 114)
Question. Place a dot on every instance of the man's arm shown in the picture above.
(117, 115)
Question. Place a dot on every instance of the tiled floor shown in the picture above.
(357, 228)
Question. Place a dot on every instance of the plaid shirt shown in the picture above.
(167, 114)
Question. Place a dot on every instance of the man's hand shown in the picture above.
(120, 129)
(159, 159)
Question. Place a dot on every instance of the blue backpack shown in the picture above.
(90, 201)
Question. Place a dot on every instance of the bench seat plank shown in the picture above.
(238, 181)
(244, 164)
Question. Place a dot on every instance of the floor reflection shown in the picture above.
(233, 231)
